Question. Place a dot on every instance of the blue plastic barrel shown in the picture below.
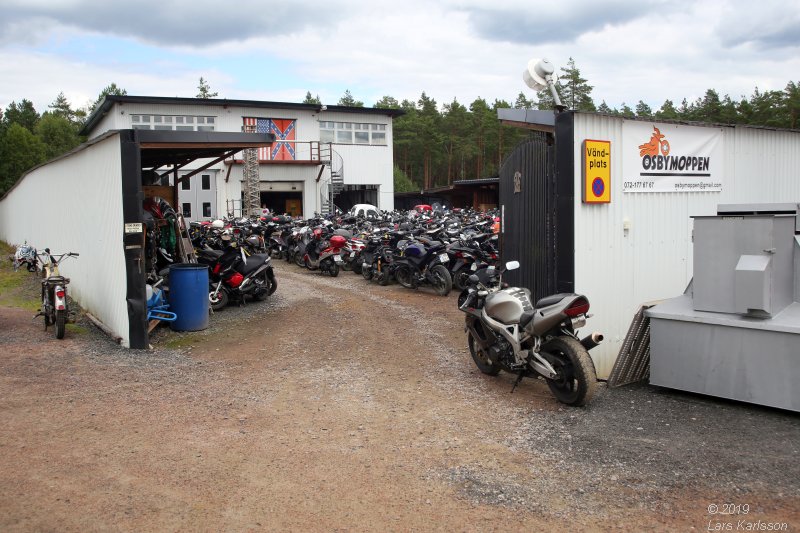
(188, 296)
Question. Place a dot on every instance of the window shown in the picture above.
(206, 185)
(186, 185)
(187, 209)
(352, 133)
(206, 209)
(172, 122)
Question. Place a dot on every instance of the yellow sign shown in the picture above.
(596, 172)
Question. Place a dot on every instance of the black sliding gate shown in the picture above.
(536, 214)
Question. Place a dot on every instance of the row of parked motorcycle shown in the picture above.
(439, 251)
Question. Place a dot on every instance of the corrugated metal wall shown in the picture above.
(81, 212)
(619, 270)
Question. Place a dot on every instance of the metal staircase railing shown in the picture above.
(334, 184)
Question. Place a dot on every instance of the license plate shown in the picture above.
(444, 258)
(337, 258)
(474, 266)
(352, 255)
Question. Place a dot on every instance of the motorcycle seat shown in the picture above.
(253, 262)
(551, 300)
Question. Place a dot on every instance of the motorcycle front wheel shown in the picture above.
(61, 323)
(299, 260)
(219, 300)
(333, 269)
(480, 358)
(441, 280)
(576, 381)
(366, 273)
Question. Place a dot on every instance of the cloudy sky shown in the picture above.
(265, 50)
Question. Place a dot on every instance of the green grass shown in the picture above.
(17, 289)
(181, 341)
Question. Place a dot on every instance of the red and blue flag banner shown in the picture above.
(283, 129)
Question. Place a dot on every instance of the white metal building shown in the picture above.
(89, 201)
(631, 242)
(314, 146)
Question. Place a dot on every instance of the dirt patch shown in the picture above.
(343, 405)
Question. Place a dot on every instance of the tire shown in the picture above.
(480, 359)
(221, 301)
(441, 280)
(383, 278)
(334, 269)
(268, 285)
(462, 297)
(366, 273)
(298, 259)
(577, 378)
(404, 277)
(356, 264)
(61, 323)
(461, 279)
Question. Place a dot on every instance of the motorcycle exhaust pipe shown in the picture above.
(592, 340)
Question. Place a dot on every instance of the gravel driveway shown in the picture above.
(340, 405)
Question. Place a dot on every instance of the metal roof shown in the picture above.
(111, 99)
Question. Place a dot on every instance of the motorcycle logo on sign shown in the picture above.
(657, 142)
(517, 182)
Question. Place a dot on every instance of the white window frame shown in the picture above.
(349, 133)
(173, 122)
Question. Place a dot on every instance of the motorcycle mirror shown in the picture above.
(512, 265)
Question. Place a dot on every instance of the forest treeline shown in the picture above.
(434, 144)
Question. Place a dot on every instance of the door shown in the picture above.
(530, 217)
(294, 207)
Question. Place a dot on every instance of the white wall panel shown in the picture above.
(74, 204)
(620, 270)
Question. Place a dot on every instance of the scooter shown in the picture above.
(505, 331)
(325, 255)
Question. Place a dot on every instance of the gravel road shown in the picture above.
(340, 405)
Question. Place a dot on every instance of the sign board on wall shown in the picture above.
(671, 158)
(596, 172)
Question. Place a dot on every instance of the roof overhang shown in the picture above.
(531, 119)
(179, 148)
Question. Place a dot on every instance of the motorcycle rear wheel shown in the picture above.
(383, 278)
(481, 360)
(577, 379)
(299, 260)
(267, 285)
(61, 323)
(404, 277)
(441, 280)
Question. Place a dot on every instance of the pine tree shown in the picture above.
(311, 99)
(643, 110)
(108, 90)
(667, 111)
(22, 113)
(204, 90)
(348, 100)
(603, 108)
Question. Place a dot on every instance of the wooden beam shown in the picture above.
(204, 167)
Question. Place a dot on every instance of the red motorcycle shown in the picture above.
(325, 255)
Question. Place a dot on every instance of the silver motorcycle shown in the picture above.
(506, 331)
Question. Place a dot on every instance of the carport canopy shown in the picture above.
(177, 149)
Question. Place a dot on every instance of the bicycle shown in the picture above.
(55, 307)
